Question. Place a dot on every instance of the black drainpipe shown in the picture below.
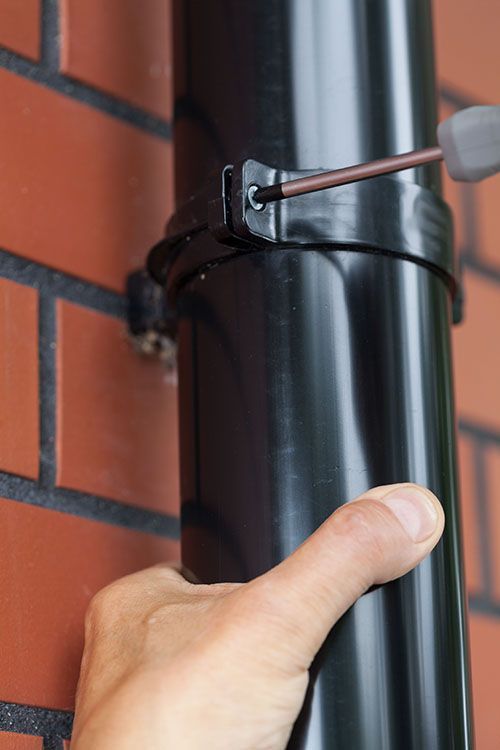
(314, 336)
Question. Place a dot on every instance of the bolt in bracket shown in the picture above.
(385, 214)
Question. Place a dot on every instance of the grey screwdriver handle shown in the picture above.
(470, 141)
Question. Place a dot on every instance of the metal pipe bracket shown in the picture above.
(385, 214)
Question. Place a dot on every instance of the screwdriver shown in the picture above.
(469, 145)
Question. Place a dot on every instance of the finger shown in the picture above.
(371, 540)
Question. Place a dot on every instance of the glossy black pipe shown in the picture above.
(307, 376)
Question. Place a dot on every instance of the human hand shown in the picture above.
(169, 664)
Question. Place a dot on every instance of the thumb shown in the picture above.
(377, 537)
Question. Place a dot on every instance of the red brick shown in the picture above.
(50, 566)
(477, 353)
(123, 47)
(492, 460)
(485, 652)
(487, 198)
(20, 26)
(19, 422)
(117, 428)
(467, 46)
(470, 527)
(12, 741)
(81, 191)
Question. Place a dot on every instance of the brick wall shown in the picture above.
(88, 446)
(468, 64)
(88, 440)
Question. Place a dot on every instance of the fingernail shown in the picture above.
(414, 510)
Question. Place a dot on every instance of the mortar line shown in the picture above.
(91, 507)
(482, 513)
(35, 720)
(104, 102)
(50, 40)
(47, 337)
(62, 285)
(52, 743)
(479, 432)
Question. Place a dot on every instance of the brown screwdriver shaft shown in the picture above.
(325, 180)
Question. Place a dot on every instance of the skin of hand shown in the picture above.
(170, 664)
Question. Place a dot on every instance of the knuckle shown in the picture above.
(368, 525)
(97, 604)
(103, 604)
(136, 591)
(94, 610)
(356, 521)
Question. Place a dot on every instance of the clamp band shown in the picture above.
(382, 214)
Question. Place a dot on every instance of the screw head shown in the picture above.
(256, 205)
